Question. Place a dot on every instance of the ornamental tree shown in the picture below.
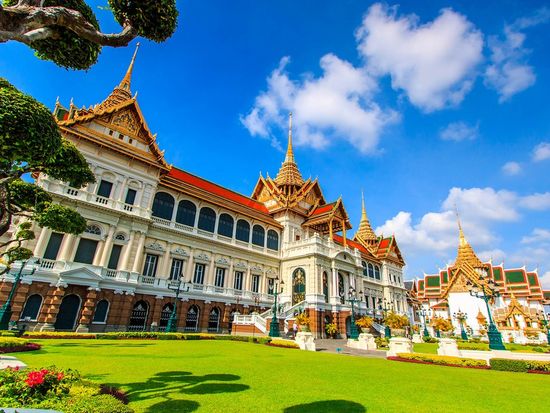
(442, 324)
(30, 143)
(67, 31)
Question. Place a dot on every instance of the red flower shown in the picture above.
(60, 376)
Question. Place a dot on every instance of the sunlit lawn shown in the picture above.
(220, 376)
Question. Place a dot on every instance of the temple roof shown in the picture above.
(364, 233)
(289, 174)
(466, 253)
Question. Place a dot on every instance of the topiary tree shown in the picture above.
(442, 324)
(68, 33)
(30, 143)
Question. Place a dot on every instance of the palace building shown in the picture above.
(517, 308)
(151, 225)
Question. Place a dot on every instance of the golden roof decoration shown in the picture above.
(289, 175)
(364, 233)
(465, 252)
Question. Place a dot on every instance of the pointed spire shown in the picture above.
(364, 232)
(289, 174)
(122, 92)
(125, 83)
(465, 252)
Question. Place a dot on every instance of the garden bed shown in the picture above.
(447, 361)
(14, 345)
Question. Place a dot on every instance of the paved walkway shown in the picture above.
(339, 347)
(10, 361)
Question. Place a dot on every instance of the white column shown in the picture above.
(42, 241)
(98, 252)
(67, 247)
(107, 247)
(165, 269)
(127, 251)
(188, 273)
(139, 253)
(209, 279)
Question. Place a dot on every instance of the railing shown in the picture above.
(144, 279)
(253, 319)
(46, 264)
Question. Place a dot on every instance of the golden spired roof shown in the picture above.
(122, 92)
(365, 232)
(466, 253)
(289, 174)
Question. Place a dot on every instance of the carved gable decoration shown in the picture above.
(126, 120)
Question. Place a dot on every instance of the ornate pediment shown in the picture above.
(127, 120)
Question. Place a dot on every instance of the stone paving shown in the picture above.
(339, 347)
(10, 361)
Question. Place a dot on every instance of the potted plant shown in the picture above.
(397, 323)
(303, 321)
(365, 323)
(332, 330)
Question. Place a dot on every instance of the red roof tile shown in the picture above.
(322, 209)
(215, 189)
(352, 244)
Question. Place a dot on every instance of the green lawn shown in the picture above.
(220, 376)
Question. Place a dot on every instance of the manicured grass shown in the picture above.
(428, 348)
(218, 376)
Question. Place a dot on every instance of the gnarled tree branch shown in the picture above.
(26, 23)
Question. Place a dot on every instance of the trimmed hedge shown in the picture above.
(522, 366)
(13, 345)
(441, 360)
(283, 344)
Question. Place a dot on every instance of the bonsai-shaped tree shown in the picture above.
(396, 321)
(442, 324)
(30, 143)
(331, 329)
(302, 319)
(364, 322)
(67, 31)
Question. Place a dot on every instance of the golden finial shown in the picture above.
(289, 173)
(289, 152)
(125, 83)
(363, 210)
(365, 233)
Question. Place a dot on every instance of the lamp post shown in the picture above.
(387, 330)
(5, 311)
(274, 325)
(423, 313)
(352, 298)
(172, 325)
(486, 292)
(461, 317)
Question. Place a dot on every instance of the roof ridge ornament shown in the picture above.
(289, 175)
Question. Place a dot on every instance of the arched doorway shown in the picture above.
(68, 312)
(214, 320)
(298, 286)
(348, 326)
(192, 319)
(138, 319)
(165, 316)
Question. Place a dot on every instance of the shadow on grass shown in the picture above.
(170, 384)
(110, 344)
(327, 406)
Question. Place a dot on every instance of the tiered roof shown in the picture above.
(289, 176)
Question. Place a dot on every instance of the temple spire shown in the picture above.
(125, 83)
(365, 233)
(465, 254)
(289, 175)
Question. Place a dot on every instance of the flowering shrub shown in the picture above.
(441, 324)
(13, 344)
(394, 320)
(283, 343)
(302, 319)
(331, 329)
(364, 322)
(443, 360)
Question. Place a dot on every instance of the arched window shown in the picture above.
(163, 205)
(138, 319)
(258, 235)
(365, 269)
(192, 319)
(243, 230)
(377, 272)
(207, 219)
(93, 229)
(371, 270)
(272, 240)
(325, 286)
(214, 320)
(298, 285)
(120, 237)
(32, 307)
(101, 311)
(186, 213)
(165, 316)
(225, 225)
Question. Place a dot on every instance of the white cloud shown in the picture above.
(511, 168)
(459, 131)
(434, 64)
(541, 152)
(539, 202)
(538, 235)
(336, 105)
(483, 204)
(545, 280)
(508, 72)
(496, 255)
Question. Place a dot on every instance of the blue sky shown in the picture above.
(423, 105)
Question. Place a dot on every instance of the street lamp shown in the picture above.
(424, 313)
(172, 325)
(387, 330)
(487, 291)
(5, 311)
(274, 325)
(352, 298)
(461, 318)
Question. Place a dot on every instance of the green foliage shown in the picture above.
(441, 324)
(522, 366)
(443, 360)
(68, 49)
(7, 342)
(155, 20)
(397, 321)
(61, 218)
(283, 343)
(382, 342)
(365, 322)
(75, 169)
(429, 339)
(331, 329)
